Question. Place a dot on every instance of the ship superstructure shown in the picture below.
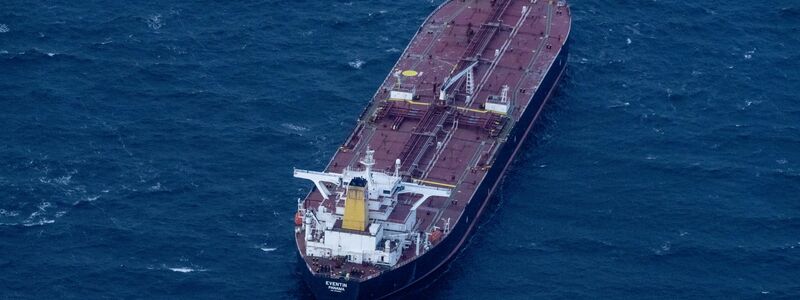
(403, 192)
(358, 229)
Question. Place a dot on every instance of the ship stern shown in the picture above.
(324, 287)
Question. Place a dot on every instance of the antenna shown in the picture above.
(368, 162)
(398, 77)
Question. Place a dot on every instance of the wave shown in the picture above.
(356, 64)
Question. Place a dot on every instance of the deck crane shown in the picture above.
(450, 81)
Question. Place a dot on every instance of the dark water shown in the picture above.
(146, 149)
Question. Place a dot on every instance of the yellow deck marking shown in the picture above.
(436, 183)
(410, 73)
(409, 101)
(472, 109)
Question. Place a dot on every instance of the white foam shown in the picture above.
(155, 22)
(156, 187)
(629, 41)
(356, 64)
(185, 270)
(63, 180)
(87, 199)
(749, 54)
(41, 222)
(265, 249)
(3, 28)
(7, 213)
(294, 127)
(665, 247)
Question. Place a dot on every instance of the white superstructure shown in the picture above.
(359, 228)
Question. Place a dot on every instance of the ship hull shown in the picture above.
(420, 271)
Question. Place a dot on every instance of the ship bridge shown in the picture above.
(359, 220)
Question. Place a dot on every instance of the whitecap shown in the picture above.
(356, 64)
(7, 213)
(41, 222)
(616, 104)
(156, 187)
(4, 28)
(665, 247)
(629, 41)
(392, 50)
(87, 199)
(155, 22)
(749, 54)
(182, 270)
(63, 180)
(265, 249)
(294, 127)
(185, 270)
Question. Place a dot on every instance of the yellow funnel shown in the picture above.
(355, 206)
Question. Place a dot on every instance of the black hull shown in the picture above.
(393, 282)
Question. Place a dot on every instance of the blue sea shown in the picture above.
(146, 149)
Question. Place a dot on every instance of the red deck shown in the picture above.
(456, 34)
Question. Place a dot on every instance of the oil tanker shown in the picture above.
(400, 197)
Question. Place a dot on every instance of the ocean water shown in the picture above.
(146, 149)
